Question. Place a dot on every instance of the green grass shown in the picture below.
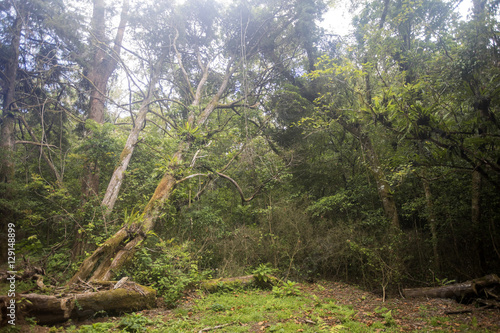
(254, 310)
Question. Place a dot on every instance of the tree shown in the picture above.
(9, 79)
(209, 69)
(33, 61)
(104, 62)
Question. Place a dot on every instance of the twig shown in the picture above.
(457, 312)
(86, 283)
(206, 329)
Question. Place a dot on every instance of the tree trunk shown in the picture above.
(116, 181)
(477, 238)
(432, 222)
(103, 65)
(383, 186)
(121, 246)
(460, 291)
(7, 138)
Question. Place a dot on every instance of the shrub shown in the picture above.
(166, 267)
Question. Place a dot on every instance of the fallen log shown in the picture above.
(226, 283)
(462, 292)
(261, 281)
(51, 309)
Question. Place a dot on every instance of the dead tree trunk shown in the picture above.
(116, 181)
(48, 309)
(460, 291)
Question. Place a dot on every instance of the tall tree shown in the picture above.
(9, 82)
(104, 62)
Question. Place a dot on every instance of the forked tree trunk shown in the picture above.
(121, 246)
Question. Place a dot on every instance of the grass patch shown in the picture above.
(244, 310)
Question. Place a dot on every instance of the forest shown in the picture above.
(172, 142)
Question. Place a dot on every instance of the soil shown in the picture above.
(419, 314)
(414, 314)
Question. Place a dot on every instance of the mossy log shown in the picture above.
(238, 282)
(477, 288)
(50, 309)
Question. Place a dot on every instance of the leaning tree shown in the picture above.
(202, 58)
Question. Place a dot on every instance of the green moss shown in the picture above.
(114, 301)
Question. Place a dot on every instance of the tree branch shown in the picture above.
(35, 144)
(42, 152)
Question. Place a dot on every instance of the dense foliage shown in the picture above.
(372, 158)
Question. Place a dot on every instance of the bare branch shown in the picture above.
(192, 176)
(215, 100)
(35, 144)
(45, 157)
(181, 65)
(240, 191)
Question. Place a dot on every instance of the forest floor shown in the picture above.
(319, 307)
